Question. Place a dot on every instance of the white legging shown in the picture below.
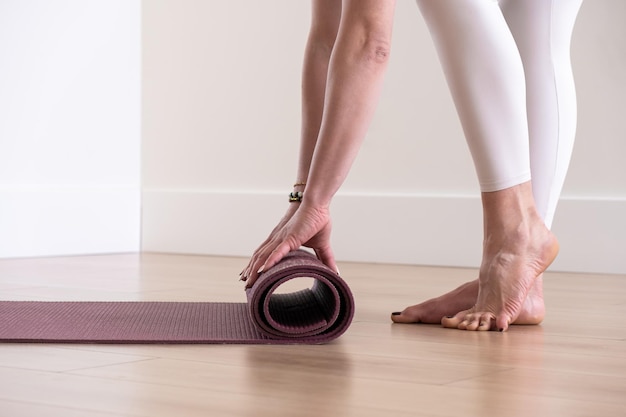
(508, 67)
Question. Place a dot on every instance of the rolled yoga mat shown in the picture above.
(314, 315)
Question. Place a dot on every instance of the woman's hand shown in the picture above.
(301, 226)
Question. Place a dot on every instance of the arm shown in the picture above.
(357, 66)
(325, 18)
(355, 78)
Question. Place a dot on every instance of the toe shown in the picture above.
(485, 322)
(471, 322)
(502, 322)
(479, 321)
(400, 317)
(453, 322)
(405, 316)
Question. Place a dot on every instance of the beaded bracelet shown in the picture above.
(295, 196)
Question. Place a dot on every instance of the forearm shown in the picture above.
(314, 75)
(355, 78)
(325, 18)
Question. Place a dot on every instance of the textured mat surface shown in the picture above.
(315, 315)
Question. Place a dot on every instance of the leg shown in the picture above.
(485, 75)
(542, 31)
(489, 101)
(486, 78)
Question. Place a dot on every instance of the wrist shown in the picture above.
(295, 196)
(313, 199)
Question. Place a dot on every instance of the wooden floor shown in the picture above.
(572, 365)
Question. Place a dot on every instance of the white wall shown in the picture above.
(221, 115)
(69, 127)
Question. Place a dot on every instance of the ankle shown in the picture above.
(511, 210)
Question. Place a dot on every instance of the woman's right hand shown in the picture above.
(302, 225)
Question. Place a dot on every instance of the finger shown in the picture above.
(258, 259)
(327, 257)
(257, 266)
(254, 271)
(277, 254)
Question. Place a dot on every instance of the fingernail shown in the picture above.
(338, 273)
(396, 313)
(261, 269)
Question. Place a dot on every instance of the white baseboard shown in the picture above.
(54, 220)
(386, 228)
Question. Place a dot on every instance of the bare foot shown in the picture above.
(517, 249)
(464, 298)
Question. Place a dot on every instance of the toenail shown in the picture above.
(449, 317)
(396, 313)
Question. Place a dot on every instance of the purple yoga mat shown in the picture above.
(315, 315)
